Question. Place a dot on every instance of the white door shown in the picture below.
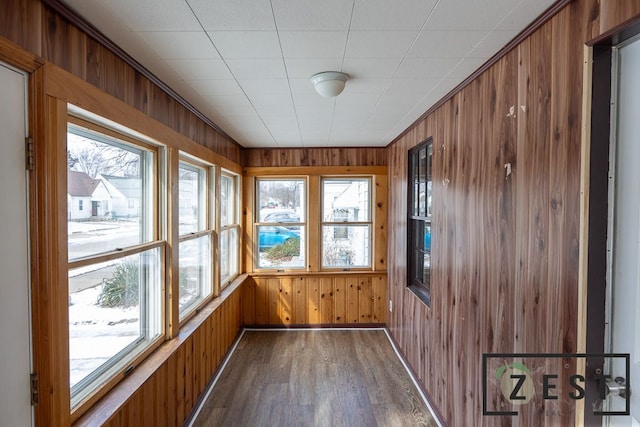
(624, 274)
(15, 315)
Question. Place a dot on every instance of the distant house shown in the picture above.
(129, 202)
(87, 197)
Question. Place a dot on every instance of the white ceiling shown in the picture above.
(246, 64)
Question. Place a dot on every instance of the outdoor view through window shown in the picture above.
(115, 268)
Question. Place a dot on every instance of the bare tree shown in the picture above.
(95, 158)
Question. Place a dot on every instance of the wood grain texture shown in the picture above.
(506, 220)
(288, 157)
(315, 300)
(614, 12)
(314, 378)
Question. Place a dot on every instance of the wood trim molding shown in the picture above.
(618, 34)
(70, 15)
(539, 22)
(16, 56)
(315, 170)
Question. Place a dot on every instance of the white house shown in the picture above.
(87, 197)
(127, 195)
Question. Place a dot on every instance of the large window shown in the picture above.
(229, 228)
(280, 226)
(196, 237)
(115, 254)
(346, 222)
(419, 220)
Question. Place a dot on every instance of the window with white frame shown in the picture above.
(195, 248)
(229, 227)
(115, 269)
(281, 223)
(346, 222)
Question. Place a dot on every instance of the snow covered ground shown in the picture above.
(96, 333)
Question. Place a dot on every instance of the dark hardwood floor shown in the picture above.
(314, 378)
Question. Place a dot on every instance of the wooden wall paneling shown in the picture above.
(326, 156)
(313, 314)
(286, 301)
(380, 222)
(379, 297)
(353, 299)
(613, 13)
(21, 22)
(248, 302)
(300, 300)
(262, 301)
(327, 305)
(340, 291)
(365, 300)
(273, 295)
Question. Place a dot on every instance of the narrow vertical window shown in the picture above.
(229, 228)
(346, 222)
(419, 220)
(196, 237)
(115, 270)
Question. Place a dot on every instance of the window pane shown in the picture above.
(227, 200)
(346, 200)
(106, 203)
(281, 200)
(191, 200)
(346, 246)
(228, 254)
(195, 271)
(114, 313)
(280, 247)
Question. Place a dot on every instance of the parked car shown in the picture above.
(270, 236)
(282, 217)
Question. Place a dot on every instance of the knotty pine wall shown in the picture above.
(505, 246)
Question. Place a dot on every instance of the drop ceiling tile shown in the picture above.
(200, 69)
(307, 67)
(464, 15)
(379, 44)
(367, 85)
(390, 15)
(465, 68)
(426, 68)
(370, 67)
(215, 87)
(179, 44)
(445, 44)
(523, 15)
(246, 44)
(313, 44)
(312, 15)
(492, 43)
(247, 69)
(280, 104)
(234, 15)
(155, 15)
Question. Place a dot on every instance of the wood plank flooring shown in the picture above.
(314, 378)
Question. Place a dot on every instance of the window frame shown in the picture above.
(303, 223)
(415, 221)
(206, 227)
(152, 154)
(369, 223)
(232, 226)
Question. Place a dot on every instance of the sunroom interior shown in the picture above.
(161, 221)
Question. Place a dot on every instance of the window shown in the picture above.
(419, 220)
(195, 249)
(280, 226)
(229, 228)
(115, 270)
(346, 222)
(80, 205)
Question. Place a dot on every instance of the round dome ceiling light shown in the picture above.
(329, 83)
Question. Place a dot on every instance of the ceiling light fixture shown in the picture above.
(329, 83)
